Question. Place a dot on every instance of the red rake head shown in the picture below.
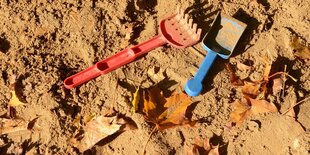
(179, 30)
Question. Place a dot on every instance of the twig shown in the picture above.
(152, 132)
(284, 74)
(298, 103)
(284, 81)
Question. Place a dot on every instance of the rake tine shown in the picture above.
(190, 23)
(198, 34)
(194, 29)
(183, 20)
(180, 10)
(186, 18)
(180, 13)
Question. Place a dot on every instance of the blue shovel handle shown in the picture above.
(193, 86)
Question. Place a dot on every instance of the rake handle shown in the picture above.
(111, 63)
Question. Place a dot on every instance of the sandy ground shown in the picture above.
(42, 42)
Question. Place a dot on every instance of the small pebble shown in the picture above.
(253, 126)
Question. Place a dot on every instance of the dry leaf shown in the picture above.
(154, 101)
(166, 112)
(128, 31)
(277, 86)
(290, 101)
(243, 110)
(203, 147)
(156, 74)
(243, 67)
(261, 106)
(90, 117)
(250, 88)
(235, 80)
(303, 54)
(97, 129)
(14, 100)
(176, 107)
(15, 125)
(267, 69)
(301, 51)
(77, 121)
(135, 100)
(239, 113)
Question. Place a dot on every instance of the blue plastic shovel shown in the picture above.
(219, 41)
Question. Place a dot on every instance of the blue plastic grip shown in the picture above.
(193, 86)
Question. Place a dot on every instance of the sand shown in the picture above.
(42, 42)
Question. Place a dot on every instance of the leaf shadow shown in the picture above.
(218, 140)
(27, 145)
(165, 84)
(108, 139)
(190, 109)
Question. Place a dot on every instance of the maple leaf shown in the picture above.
(166, 112)
(261, 106)
(243, 110)
(154, 101)
(239, 113)
(176, 107)
(14, 100)
(97, 129)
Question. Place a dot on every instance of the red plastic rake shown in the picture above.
(177, 30)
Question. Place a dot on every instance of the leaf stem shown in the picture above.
(152, 132)
(298, 103)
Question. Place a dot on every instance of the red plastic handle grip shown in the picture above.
(109, 64)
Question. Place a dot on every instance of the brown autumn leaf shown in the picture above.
(261, 106)
(97, 129)
(251, 89)
(203, 147)
(234, 79)
(243, 110)
(166, 112)
(289, 101)
(301, 51)
(267, 69)
(153, 105)
(156, 74)
(15, 125)
(240, 112)
(176, 107)
(303, 54)
(243, 67)
(277, 86)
